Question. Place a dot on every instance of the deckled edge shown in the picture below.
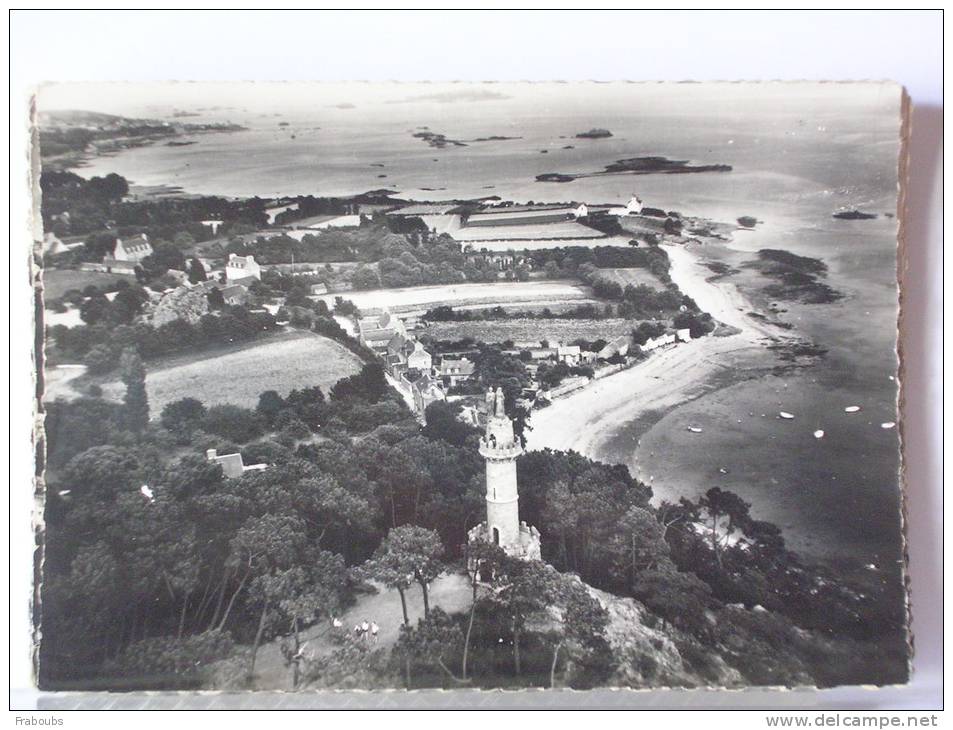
(903, 184)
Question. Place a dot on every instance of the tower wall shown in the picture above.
(502, 501)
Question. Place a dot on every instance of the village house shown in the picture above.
(132, 249)
(232, 464)
(239, 268)
(619, 346)
(683, 335)
(569, 354)
(318, 289)
(376, 331)
(419, 359)
(426, 390)
(235, 295)
(453, 372)
(656, 342)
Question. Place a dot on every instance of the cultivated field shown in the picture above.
(512, 244)
(564, 330)
(56, 282)
(535, 232)
(634, 276)
(295, 360)
(417, 298)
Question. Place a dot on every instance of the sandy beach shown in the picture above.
(587, 420)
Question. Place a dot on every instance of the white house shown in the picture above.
(132, 250)
(683, 335)
(232, 464)
(633, 207)
(241, 267)
(419, 359)
(569, 354)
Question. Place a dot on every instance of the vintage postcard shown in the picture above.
(504, 385)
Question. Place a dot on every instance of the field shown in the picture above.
(634, 276)
(419, 298)
(535, 232)
(513, 244)
(56, 282)
(564, 330)
(294, 360)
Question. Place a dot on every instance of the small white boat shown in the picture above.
(819, 434)
(888, 424)
(851, 409)
(694, 429)
(785, 415)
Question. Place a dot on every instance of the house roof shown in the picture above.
(240, 262)
(135, 245)
(462, 366)
(234, 290)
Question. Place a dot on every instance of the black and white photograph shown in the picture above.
(408, 386)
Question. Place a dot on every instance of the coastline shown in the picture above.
(591, 419)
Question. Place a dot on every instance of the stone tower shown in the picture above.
(500, 448)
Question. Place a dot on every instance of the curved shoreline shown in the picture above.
(588, 420)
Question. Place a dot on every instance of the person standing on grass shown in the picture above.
(365, 627)
(374, 631)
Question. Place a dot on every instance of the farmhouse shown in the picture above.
(318, 289)
(239, 268)
(132, 250)
(453, 372)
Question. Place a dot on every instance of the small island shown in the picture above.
(854, 215)
(594, 133)
(438, 140)
(636, 166)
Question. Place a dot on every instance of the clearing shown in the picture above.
(450, 591)
(56, 282)
(633, 276)
(294, 360)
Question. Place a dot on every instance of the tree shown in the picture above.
(482, 559)
(526, 587)
(433, 642)
(216, 299)
(270, 404)
(183, 416)
(407, 554)
(234, 423)
(94, 309)
(135, 412)
(100, 359)
(442, 424)
(196, 271)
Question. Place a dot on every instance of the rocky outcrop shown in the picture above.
(651, 653)
(180, 303)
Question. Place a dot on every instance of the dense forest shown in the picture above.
(161, 573)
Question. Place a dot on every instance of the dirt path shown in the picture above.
(451, 592)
